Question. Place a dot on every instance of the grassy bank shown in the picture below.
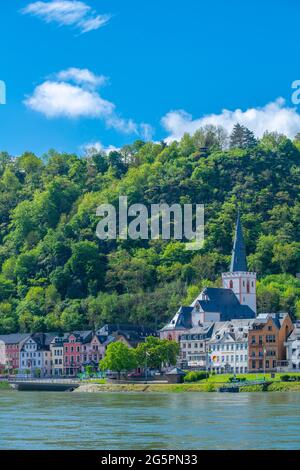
(4, 386)
(211, 384)
(182, 388)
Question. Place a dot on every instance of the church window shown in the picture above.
(231, 284)
(248, 287)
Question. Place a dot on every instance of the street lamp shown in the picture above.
(264, 351)
(207, 351)
(146, 366)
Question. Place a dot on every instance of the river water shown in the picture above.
(149, 421)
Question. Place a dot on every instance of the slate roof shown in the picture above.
(238, 259)
(237, 330)
(277, 319)
(114, 328)
(226, 303)
(82, 336)
(43, 340)
(205, 330)
(14, 338)
(181, 320)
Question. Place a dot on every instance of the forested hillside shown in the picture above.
(57, 275)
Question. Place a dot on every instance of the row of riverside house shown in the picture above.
(221, 331)
(63, 355)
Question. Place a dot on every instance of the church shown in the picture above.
(235, 300)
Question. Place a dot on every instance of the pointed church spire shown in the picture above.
(238, 260)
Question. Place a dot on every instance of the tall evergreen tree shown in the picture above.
(249, 138)
(242, 137)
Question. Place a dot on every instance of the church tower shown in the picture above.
(239, 279)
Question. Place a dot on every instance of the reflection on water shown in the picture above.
(149, 421)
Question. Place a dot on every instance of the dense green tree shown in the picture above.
(155, 352)
(118, 358)
(56, 274)
(241, 137)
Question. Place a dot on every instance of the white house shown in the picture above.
(228, 347)
(293, 348)
(35, 355)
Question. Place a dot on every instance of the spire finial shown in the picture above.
(238, 259)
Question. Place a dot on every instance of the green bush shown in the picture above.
(195, 376)
(290, 378)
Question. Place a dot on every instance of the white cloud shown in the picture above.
(67, 13)
(95, 147)
(81, 76)
(274, 117)
(60, 98)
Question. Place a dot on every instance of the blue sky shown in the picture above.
(123, 70)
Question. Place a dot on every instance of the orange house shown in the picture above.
(266, 340)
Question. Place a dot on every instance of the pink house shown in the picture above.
(10, 346)
(94, 351)
(72, 352)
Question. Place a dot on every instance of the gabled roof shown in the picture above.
(181, 320)
(113, 328)
(81, 336)
(277, 319)
(14, 338)
(236, 330)
(205, 330)
(238, 259)
(225, 302)
(43, 340)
